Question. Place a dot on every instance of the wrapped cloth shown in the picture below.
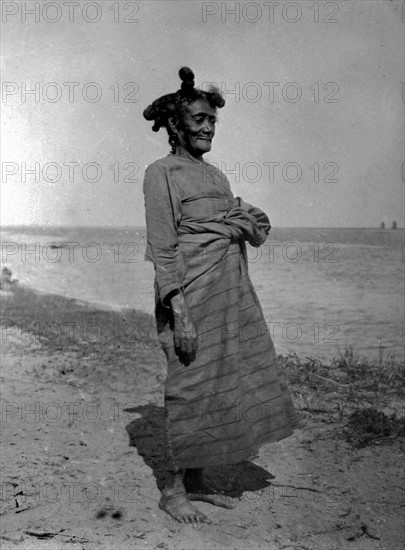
(232, 398)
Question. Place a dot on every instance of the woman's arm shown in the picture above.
(162, 211)
(162, 206)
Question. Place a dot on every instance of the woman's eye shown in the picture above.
(201, 119)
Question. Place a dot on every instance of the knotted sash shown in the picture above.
(242, 221)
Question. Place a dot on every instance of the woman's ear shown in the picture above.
(173, 124)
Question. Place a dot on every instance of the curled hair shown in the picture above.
(173, 105)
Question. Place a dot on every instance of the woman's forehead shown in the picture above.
(200, 107)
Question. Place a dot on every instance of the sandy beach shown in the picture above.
(83, 445)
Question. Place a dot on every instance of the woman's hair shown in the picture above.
(173, 105)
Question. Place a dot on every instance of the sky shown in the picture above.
(312, 131)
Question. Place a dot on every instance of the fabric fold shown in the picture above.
(243, 221)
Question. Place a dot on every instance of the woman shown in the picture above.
(223, 396)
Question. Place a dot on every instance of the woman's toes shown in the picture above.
(204, 518)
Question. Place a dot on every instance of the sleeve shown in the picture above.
(261, 227)
(162, 209)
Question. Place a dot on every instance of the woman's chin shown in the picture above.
(204, 147)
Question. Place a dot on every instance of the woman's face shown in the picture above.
(196, 128)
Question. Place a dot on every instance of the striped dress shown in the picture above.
(230, 399)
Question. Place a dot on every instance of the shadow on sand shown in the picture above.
(148, 435)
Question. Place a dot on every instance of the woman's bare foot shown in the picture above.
(197, 489)
(180, 508)
(176, 503)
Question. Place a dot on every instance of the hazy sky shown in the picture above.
(314, 131)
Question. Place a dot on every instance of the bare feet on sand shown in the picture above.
(183, 487)
(197, 489)
(179, 507)
(175, 502)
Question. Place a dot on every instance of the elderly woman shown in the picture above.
(223, 395)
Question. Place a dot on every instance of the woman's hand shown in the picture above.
(185, 334)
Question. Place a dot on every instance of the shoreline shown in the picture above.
(18, 294)
(315, 298)
(91, 304)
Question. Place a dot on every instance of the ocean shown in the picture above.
(322, 290)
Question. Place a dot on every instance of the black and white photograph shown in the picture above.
(202, 275)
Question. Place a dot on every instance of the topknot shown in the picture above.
(187, 77)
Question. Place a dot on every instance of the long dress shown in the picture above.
(231, 399)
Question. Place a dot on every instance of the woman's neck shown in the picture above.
(181, 151)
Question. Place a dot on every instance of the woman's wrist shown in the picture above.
(178, 303)
(167, 300)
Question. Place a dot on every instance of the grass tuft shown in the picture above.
(368, 426)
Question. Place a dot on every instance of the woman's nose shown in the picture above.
(209, 127)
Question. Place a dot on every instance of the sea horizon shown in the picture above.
(125, 227)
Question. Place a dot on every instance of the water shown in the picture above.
(321, 290)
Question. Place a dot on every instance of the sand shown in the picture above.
(83, 441)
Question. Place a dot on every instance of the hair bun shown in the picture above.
(149, 112)
(187, 77)
(186, 74)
